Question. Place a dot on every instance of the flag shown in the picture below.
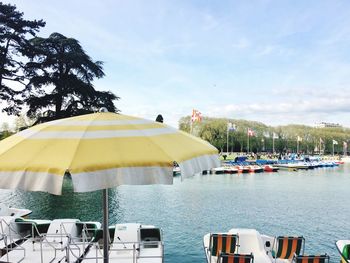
(274, 136)
(266, 134)
(196, 116)
(335, 142)
(251, 132)
(299, 139)
(231, 126)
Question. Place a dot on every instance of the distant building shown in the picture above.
(327, 125)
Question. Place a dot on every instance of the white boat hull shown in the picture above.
(130, 246)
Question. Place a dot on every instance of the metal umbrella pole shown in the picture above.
(105, 227)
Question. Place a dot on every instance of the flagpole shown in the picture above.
(298, 145)
(247, 142)
(232, 144)
(333, 147)
(273, 143)
(345, 148)
(227, 140)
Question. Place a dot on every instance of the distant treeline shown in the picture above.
(282, 138)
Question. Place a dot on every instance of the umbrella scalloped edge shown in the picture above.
(109, 178)
(32, 181)
(198, 164)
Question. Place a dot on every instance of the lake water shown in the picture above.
(312, 203)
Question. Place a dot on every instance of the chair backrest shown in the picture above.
(311, 259)
(225, 243)
(235, 258)
(288, 246)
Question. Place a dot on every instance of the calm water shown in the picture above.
(312, 203)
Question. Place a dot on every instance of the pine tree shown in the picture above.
(14, 31)
(61, 63)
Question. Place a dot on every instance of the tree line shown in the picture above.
(48, 78)
(282, 138)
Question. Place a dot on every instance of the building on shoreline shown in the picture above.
(327, 125)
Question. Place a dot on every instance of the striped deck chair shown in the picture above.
(288, 246)
(311, 259)
(235, 258)
(225, 243)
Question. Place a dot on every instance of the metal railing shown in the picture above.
(134, 248)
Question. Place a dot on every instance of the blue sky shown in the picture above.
(277, 62)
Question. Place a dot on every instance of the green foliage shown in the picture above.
(22, 122)
(5, 131)
(56, 72)
(61, 63)
(14, 31)
(214, 130)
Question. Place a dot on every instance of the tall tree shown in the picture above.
(60, 64)
(14, 31)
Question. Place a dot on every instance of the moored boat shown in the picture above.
(218, 170)
(130, 243)
(249, 243)
(242, 169)
(270, 168)
(230, 170)
(255, 168)
(60, 240)
(343, 247)
(15, 212)
(13, 234)
(285, 166)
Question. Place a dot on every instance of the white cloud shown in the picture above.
(242, 43)
(307, 111)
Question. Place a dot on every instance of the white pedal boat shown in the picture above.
(262, 248)
(12, 234)
(65, 240)
(15, 212)
(343, 247)
(130, 243)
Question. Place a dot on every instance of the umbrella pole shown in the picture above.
(105, 226)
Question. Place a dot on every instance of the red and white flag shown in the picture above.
(196, 116)
(251, 132)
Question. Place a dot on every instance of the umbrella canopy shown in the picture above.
(99, 151)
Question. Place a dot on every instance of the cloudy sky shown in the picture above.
(277, 62)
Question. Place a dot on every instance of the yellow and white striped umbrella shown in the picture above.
(100, 150)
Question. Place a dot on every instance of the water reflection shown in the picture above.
(84, 206)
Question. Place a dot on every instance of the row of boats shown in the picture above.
(229, 167)
(71, 240)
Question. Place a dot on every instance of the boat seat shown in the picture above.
(235, 258)
(311, 258)
(222, 243)
(150, 237)
(287, 246)
(346, 251)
